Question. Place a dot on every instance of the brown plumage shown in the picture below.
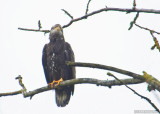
(55, 55)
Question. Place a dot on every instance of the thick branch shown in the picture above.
(105, 67)
(97, 82)
(84, 80)
(152, 82)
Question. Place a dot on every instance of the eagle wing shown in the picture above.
(44, 63)
(69, 56)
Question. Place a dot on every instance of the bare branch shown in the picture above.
(20, 83)
(87, 8)
(134, 21)
(97, 82)
(66, 12)
(80, 81)
(147, 29)
(34, 30)
(128, 10)
(155, 41)
(134, 4)
(39, 25)
(105, 67)
(23, 90)
(147, 99)
(11, 93)
(148, 78)
(152, 48)
(154, 38)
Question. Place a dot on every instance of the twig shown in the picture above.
(23, 90)
(134, 4)
(11, 93)
(147, 29)
(34, 30)
(155, 41)
(20, 83)
(108, 83)
(66, 12)
(87, 8)
(152, 48)
(134, 21)
(147, 99)
(39, 25)
(105, 67)
(154, 38)
(128, 10)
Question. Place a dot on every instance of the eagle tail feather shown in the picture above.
(62, 96)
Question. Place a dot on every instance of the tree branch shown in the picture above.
(127, 10)
(147, 99)
(97, 82)
(11, 93)
(156, 44)
(105, 67)
(153, 82)
(34, 30)
(39, 24)
(145, 77)
(87, 8)
(66, 12)
(134, 21)
(147, 29)
(155, 41)
(134, 4)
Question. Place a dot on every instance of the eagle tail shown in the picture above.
(62, 96)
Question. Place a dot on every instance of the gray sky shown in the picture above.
(103, 38)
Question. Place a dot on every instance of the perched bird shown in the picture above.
(54, 57)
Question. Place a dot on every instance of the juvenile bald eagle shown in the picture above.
(55, 55)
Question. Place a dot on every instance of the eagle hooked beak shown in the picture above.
(57, 29)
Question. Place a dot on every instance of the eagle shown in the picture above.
(54, 57)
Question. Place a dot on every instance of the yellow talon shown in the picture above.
(58, 82)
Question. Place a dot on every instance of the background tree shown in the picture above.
(102, 38)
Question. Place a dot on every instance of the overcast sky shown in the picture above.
(103, 38)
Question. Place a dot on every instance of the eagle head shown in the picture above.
(56, 32)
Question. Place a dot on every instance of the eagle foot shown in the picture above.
(54, 81)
